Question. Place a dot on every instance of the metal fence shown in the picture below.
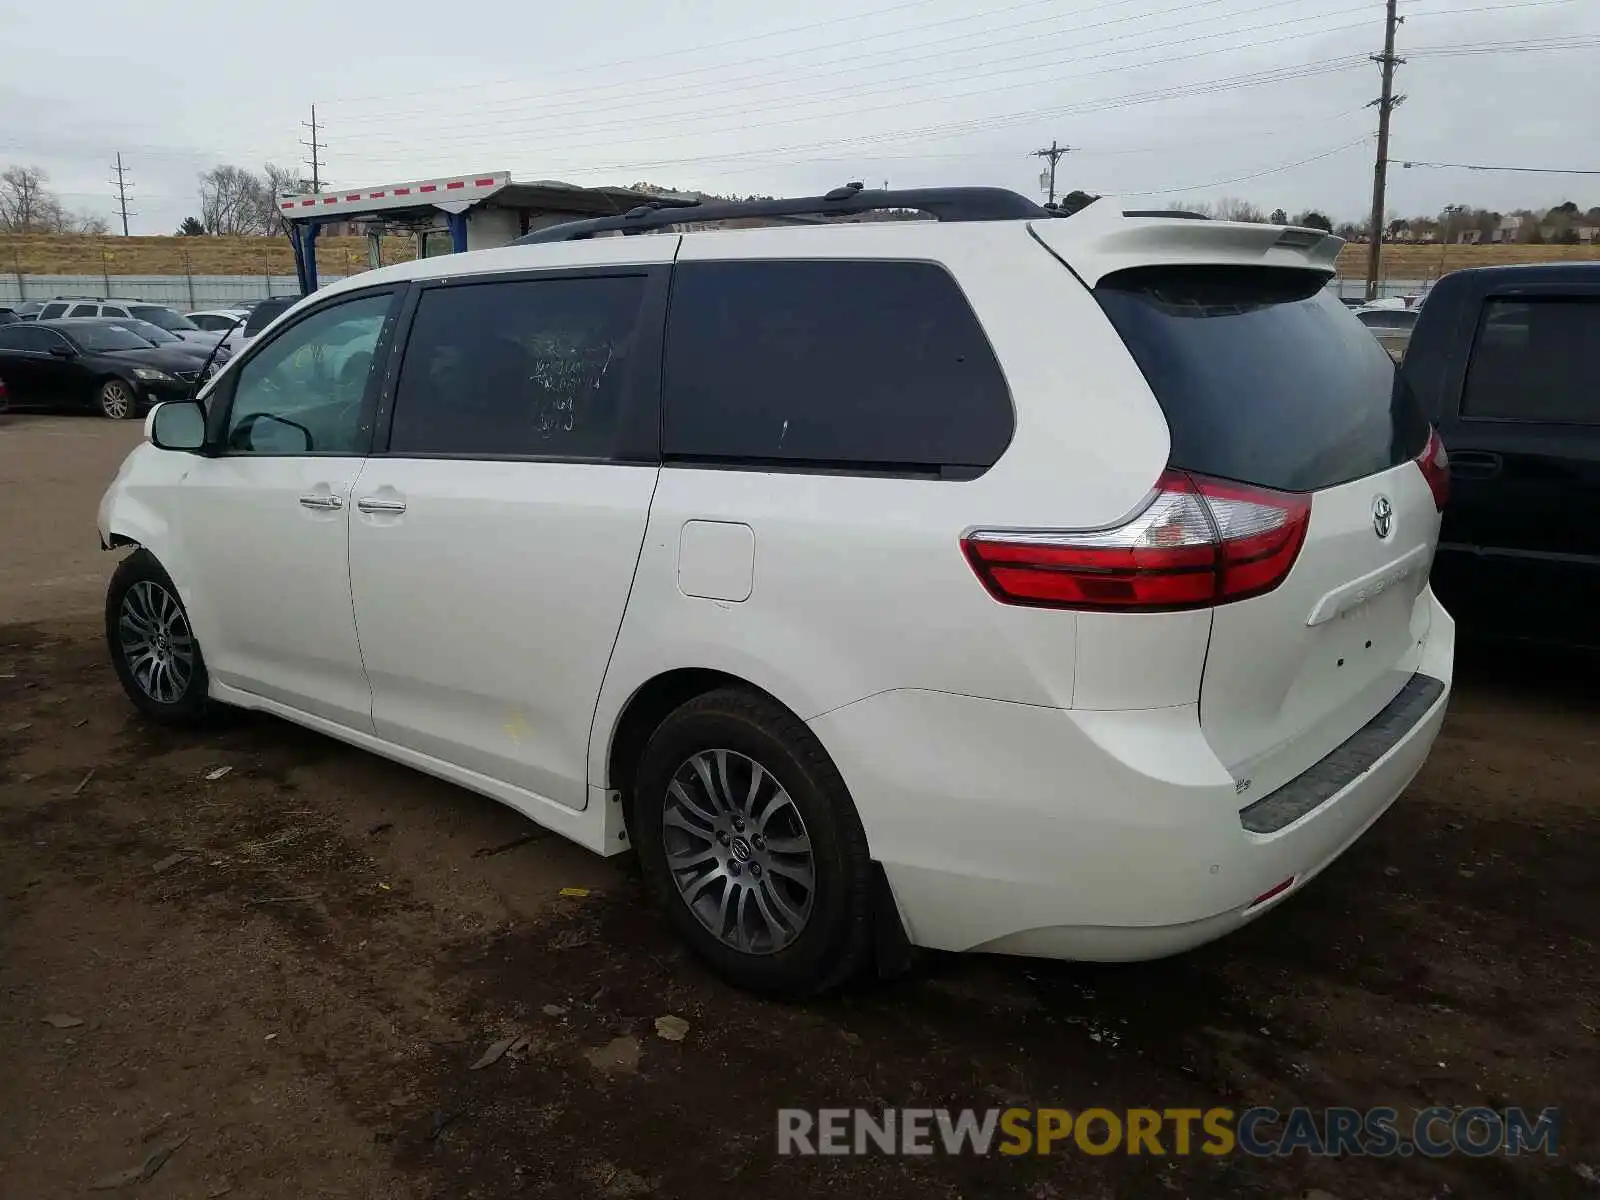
(184, 292)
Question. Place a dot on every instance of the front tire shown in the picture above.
(117, 400)
(751, 844)
(153, 648)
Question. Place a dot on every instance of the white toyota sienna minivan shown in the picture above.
(1004, 581)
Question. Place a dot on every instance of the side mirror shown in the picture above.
(60, 351)
(177, 425)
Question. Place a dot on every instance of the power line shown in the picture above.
(1278, 170)
(122, 185)
(1387, 102)
(315, 161)
(584, 100)
(1409, 163)
(681, 52)
(893, 88)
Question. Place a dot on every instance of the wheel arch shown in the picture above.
(650, 704)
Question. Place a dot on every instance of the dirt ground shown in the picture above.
(293, 966)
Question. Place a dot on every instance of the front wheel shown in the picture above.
(749, 839)
(117, 400)
(152, 646)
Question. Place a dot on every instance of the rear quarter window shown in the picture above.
(1264, 376)
(1534, 359)
(845, 365)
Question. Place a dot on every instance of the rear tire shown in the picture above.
(751, 845)
(117, 400)
(154, 650)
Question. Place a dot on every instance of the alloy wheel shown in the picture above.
(156, 641)
(115, 400)
(738, 851)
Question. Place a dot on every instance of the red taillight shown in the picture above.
(1435, 464)
(1198, 542)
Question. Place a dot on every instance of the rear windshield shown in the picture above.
(1263, 375)
(265, 314)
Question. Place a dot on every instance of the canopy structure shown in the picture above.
(476, 211)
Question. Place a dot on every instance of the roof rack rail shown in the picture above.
(943, 204)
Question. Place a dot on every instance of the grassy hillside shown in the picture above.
(42, 254)
(1429, 262)
(50, 254)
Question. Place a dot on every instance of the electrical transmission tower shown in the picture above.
(122, 185)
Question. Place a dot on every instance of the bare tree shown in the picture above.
(27, 206)
(230, 200)
(1231, 208)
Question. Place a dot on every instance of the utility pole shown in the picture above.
(1386, 103)
(316, 147)
(1054, 153)
(121, 184)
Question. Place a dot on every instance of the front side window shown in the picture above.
(27, 337)
(84, 310)
(532, 367)
(869, 366)
(51, 311)
(303, 394)
(1534, 360)
(111, 310)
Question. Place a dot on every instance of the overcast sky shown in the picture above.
(1162, 99)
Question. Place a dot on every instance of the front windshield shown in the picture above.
(163, 317)
(150, 333)
(108, 337)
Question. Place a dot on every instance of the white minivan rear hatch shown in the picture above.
(1273, 389)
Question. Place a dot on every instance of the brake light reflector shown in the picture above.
(1198, 542)
(1435, 464)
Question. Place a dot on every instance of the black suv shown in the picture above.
(1507, 362)
(91, 363)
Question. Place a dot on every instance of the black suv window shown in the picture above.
(532, 367)
(865, 365)
(266, 313)
(1535, 360)
(1263, 375)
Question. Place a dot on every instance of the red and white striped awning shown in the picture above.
(453, 193)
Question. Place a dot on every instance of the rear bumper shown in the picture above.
(1094, 835)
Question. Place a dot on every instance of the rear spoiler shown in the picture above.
(1101, 239)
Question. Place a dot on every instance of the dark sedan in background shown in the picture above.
(96, 364)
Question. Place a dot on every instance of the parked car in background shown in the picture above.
(158, 336)
(811, 564)
(94, 364)
(218, 320)
(157, 314)
(262, 314)
(5, 397)
(7, 317)
(27, 310)
(1506, 361)
(1391, 326)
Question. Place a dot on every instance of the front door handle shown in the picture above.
(375, 504)
(322, 501)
